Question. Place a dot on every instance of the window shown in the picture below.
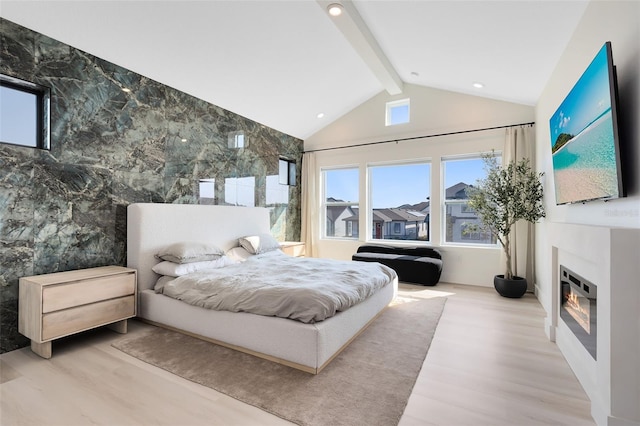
(287, 172)
(236, 140)
(24, 113)
(460, 173)
(240, 191)
(397, 112)
(400, 201)
(276, 194)
(207, 189)
(340, 205)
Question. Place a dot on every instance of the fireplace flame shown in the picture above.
(579, 313)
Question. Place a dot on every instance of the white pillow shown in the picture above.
(186, 252)
(260, 243)
(238, 254)
(173, 269)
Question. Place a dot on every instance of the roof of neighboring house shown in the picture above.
(408, 212)
(420, 207)
(457, 191)
(392, 215)
(334, 212)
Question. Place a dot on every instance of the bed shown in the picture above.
(305, 346)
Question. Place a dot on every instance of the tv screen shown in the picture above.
(584, 136)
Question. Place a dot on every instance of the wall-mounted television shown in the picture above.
(584, 136)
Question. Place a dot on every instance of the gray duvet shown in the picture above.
(303, 289)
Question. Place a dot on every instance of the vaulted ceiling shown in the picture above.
(282, 63)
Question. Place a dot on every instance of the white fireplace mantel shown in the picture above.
(609, 258)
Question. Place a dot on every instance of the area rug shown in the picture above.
(369, 383)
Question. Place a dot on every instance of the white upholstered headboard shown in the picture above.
(151, 226)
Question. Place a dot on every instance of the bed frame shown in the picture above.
(308, 347)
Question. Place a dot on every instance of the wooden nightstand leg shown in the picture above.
(42, 349)
(119, 327)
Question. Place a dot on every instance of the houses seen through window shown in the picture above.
(459, 174)
(341, 206)
(400, 201)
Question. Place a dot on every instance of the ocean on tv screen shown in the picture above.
(585, 166)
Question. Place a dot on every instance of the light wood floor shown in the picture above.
(489, 364)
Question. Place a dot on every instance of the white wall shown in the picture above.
(618, 22)
(432, 112)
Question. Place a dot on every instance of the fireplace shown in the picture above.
(579, 308)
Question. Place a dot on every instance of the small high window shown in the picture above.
(236, 140)
(24, 113)
(397, 112)
(287, 172)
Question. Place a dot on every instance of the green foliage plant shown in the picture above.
(507, 194)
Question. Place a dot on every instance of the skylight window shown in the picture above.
(397, 112)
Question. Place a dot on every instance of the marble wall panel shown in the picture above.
(65, 208)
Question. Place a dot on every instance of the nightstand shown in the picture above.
(293, 248)
(55, 305)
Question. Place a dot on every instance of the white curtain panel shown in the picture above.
(309, 204)
(519, 144)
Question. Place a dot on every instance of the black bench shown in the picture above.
(419, 265)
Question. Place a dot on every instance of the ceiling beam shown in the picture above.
(356, 31)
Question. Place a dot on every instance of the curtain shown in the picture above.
(519, 144)
(310, 208)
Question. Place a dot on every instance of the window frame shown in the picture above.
(43, 110)
(462, 202)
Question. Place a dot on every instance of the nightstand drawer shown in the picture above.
(62, 296)
(69, 321)
(293, 248)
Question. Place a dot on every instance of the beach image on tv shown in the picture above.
(583, 142)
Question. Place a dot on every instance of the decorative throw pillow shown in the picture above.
(260, 243)
(187, 252)
(178, 269)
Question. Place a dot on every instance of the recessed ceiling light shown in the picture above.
(320, 115)
(183, 140)
(126, 90)
(335, 9)
(478, 85)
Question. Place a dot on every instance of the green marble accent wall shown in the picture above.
(65, 208)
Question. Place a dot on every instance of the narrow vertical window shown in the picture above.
(287, 172)
(276, 193)
(207, 189)
(340, 203)
(459, 174)
(240, 191)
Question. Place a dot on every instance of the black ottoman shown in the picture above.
(419, 265)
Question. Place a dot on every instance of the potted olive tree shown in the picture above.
(508, 194)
